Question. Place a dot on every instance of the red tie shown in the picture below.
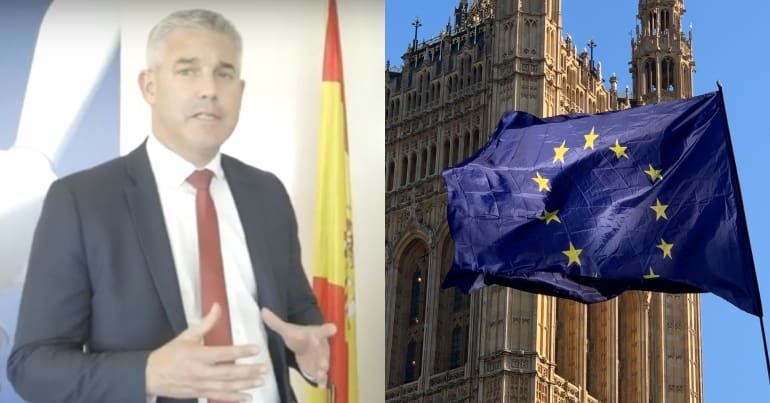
(209, 251)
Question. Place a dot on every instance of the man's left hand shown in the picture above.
(310, 344)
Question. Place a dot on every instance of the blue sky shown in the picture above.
(733, 358)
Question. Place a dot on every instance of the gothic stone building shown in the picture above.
(500, 344)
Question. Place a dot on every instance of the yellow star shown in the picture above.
(650, 275)
(558, 152)
(665, 247)
(659, 209)
(573, 254)
(655, 174)
(542, 183)
(549, 216)
(620, 151)
(590, 137)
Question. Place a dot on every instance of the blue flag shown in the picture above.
(588, 206)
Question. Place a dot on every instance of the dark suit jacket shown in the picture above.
(102, 292)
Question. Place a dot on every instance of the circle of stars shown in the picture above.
(620, 151)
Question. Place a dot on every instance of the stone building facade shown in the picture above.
(500, 344)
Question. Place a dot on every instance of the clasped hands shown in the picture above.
(185, 368)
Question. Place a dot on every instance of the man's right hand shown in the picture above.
(185, 368)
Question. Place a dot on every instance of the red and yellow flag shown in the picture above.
(333, 233)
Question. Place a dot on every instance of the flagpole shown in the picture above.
(764, 343)
(760, 314)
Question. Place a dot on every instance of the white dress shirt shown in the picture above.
(177, 199)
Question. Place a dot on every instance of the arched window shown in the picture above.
(445, 154)
(469, 72)
(407, 330)
(651, 75)
(665, 20)
(412, 168)
(414, 304)
(452, 319)
(391, 168)
(653, 23)
(667, 75)
(457, 354)
(432, 160)
(432, 93)
(404, 170)
(411, 370)
(424, 163)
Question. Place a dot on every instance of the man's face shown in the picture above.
(195, 92)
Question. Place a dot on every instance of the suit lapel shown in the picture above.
(250, 209)
(147, 216)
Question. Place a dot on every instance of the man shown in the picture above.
(128, 256)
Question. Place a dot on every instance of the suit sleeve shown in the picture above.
(50, 361)
(302, 306)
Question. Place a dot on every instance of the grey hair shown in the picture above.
(190, 19)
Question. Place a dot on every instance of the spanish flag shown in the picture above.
(333, 233)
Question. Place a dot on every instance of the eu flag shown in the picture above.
(588, 206)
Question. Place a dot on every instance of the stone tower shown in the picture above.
(501, 344)
(661, 54)
(534, 70)
(662, 66)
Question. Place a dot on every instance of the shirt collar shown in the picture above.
(171, 170)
